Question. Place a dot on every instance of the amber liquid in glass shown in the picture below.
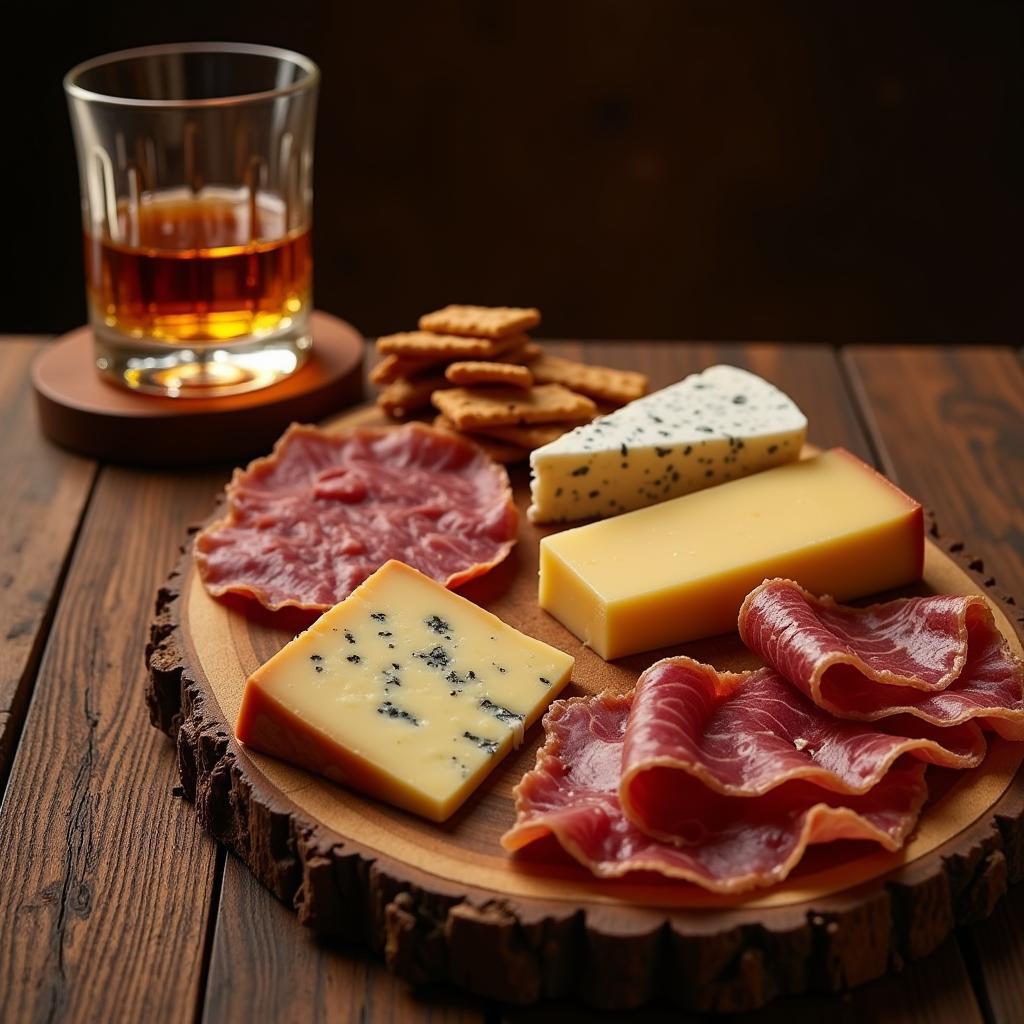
(203, 270)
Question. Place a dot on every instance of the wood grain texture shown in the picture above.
(998, 956)
(44, 493)
(949, 424)
(935, 990)
(291, 979)
(960, 449)
(104, 881)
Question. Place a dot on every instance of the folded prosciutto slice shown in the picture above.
(940, 659)
(733, 843)
(725, 778)
(308, 523)
(694, 732)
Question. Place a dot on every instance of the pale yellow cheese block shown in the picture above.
(403, 690)
(679, 571)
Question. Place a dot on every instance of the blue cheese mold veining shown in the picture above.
(709, 427)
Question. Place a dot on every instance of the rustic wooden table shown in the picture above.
(115, 906)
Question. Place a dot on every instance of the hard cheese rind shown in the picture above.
(404, 690)
(710, 427)
(679, 571)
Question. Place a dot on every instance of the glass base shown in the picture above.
(199, 371)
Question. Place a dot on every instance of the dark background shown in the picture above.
(821, 171)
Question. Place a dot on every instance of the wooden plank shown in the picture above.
(105, 879)
(960, 449)
(45, 492)
(997, 954)
(974, 409)
(289, 978)
(935, 990)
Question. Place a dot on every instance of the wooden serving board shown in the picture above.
(446, 903)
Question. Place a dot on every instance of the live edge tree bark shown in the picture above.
(519, 950)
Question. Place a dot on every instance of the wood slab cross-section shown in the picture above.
(500, 936)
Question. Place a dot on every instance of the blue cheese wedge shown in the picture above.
(403, 690)
(709, 427)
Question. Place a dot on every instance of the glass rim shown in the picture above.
(312, 75)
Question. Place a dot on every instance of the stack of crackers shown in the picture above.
(489, 381)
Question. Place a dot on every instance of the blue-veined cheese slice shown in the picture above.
(403, 690)
(709, 427)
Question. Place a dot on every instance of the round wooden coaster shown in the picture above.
(445, 903)
(81, 411)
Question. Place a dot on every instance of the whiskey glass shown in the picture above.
(195, 167)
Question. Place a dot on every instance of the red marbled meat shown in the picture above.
(744, 842)
(694, 732)
(940, 659)
(308, 523)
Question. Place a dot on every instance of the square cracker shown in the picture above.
(393, 367)
(601, 382)
(480, 321)
(473, 373)
(424, 345)
(480, 408)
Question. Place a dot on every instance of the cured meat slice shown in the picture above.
(308, 523)
(694, 732)
(940, 659)
(744, 843)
